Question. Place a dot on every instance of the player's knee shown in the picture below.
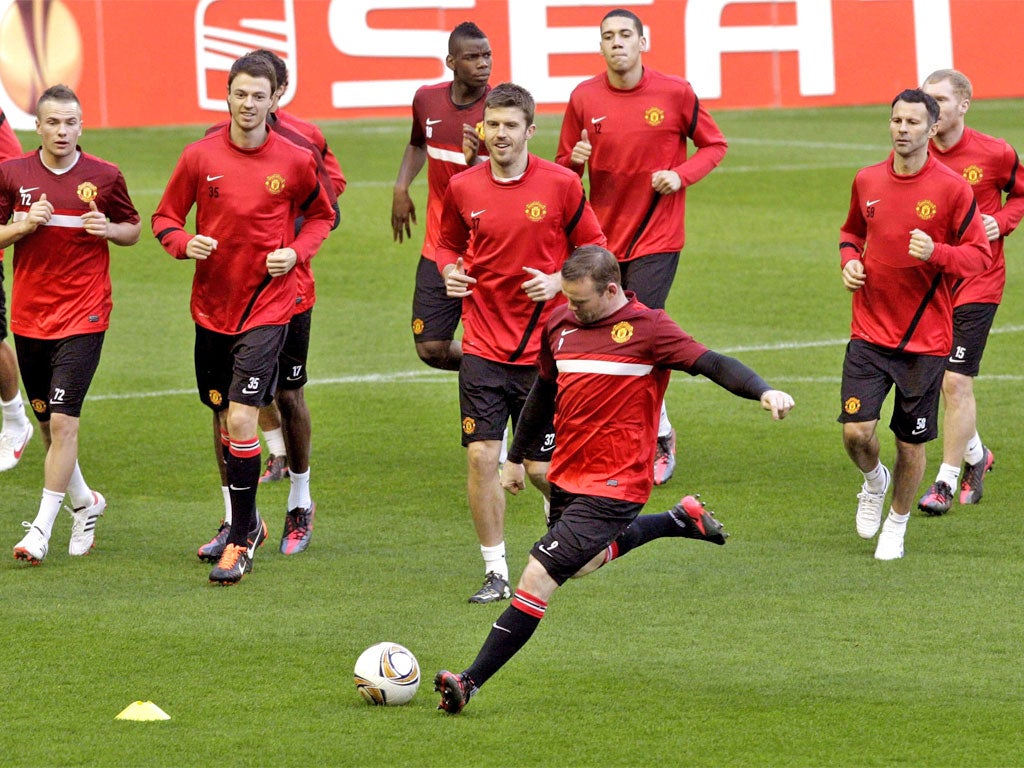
(436, 354)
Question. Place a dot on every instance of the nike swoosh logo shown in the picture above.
(474, 214)
(956, 362)
(21, 450)
(548, 550)
(872, 202)
(24, 190)
(292, 378)
(236, 488)
(596, 120)
(247, 391)
(498, 626)
(570, 330)
(214, 178)
(432, 122)
(918, 431)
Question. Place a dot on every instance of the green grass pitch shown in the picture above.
(790, 646)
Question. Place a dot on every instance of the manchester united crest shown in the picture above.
(274, 183)
(468, 426)
(38, 406)
(622, 332)
(480, 129)
(852, 405)
(925, 210)
(215, 397)
(654, 116)
(87, 191)
(536, 211)
(973, 174)
(417, 326)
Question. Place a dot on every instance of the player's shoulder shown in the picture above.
(539, 166)
(660, 79)
(433, 93)
(98, 163)
(591, 85)
(986, 143)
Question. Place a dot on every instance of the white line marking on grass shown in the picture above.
(431, 376)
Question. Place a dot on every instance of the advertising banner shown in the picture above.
(164, 62)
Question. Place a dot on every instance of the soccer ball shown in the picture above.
(387, 674)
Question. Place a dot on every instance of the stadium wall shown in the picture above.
(163, 62)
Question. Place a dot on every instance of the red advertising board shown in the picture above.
(159, 62)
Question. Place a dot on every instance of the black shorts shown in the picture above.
(580, 527)
(3, 304)
(240, 368)
(650, 277)
(971, 324)
(435, 314)
(57, 372)
(869, 372)
(490, 394)
(292, 372)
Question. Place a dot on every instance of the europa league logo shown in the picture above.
(40, 46)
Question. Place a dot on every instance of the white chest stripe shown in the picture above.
(608, 367)
(57, 220)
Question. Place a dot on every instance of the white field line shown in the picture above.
(430, 376)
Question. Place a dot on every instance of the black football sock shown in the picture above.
(243, 469)
(508, 634)
(643, 529)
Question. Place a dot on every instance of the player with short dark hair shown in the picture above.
(248, 186)
(913, 228)
(506, 228)
(604, 363)
(64, 207)
(445, 123)
(630, 127)
(992, 168)
(286, 423)
(17, 429)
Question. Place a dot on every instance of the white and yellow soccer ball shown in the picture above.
(387, 674)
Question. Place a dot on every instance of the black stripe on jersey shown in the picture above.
(936, 282)
(643, 226)
(165, 232)
(1012, 182)
(530, 327)
(692, 127)
(967, 219)
(252, 301)
(309, 200)
(575, 217)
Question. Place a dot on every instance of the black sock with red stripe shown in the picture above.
(508, 634)
(243, 470)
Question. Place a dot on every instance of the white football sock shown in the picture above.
(49, 507)
(975, 451)
(494, 560)
(298, 492)
(275, 441)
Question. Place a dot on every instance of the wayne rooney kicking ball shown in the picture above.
(387, 674)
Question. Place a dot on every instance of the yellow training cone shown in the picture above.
(142, 710)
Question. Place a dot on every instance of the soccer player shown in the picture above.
(990, 166)
(445, 117)
(248, 186)
(17, 429)
(64, 207)
(506, 228)
(913, 228)
(605, 361)
(286, 421)
(630, 127)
